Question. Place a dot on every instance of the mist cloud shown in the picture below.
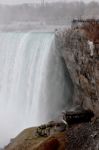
(36, 1)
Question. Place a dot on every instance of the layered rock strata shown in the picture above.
(82, 61)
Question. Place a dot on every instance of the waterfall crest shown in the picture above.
(33, 89)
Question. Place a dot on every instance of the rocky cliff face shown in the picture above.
(82, 60)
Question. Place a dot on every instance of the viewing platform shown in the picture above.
(76, 22)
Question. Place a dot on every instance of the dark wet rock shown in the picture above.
(73, 117)
(83, 137)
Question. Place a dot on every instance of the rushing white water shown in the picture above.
(32, 85)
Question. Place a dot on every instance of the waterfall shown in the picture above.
(33, 89)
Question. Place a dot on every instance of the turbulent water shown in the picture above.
(33, 89)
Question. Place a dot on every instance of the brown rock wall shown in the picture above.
(83, 65)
